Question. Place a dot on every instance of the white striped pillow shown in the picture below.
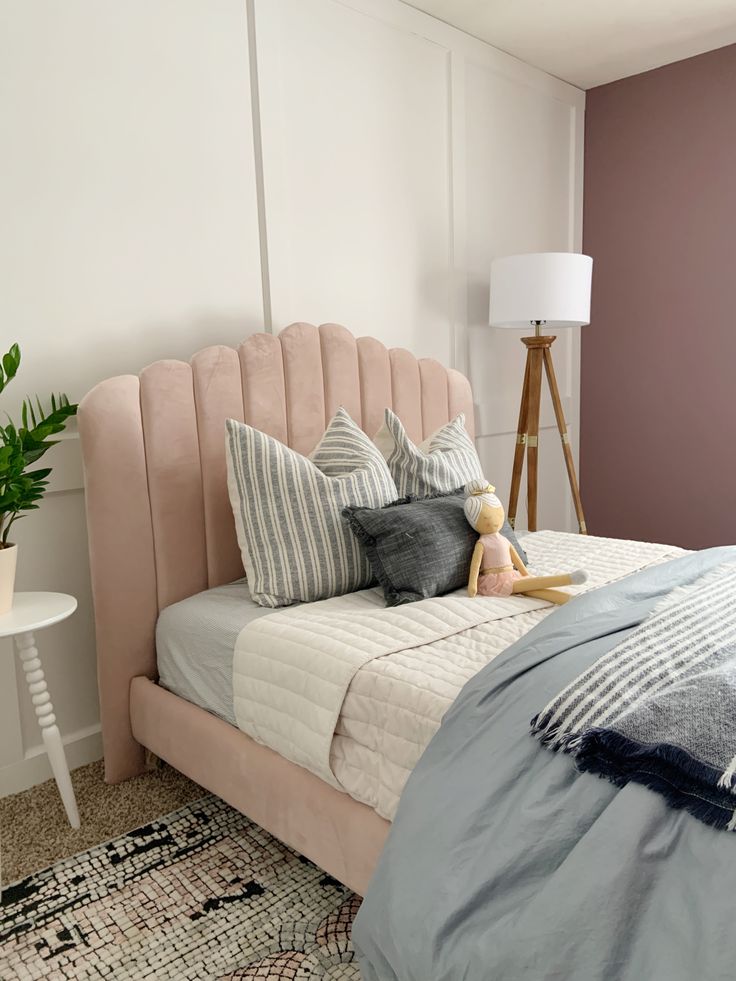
(444, 462)
(295, 543)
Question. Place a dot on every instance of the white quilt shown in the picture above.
(353, 691)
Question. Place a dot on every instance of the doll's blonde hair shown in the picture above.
(479, 492)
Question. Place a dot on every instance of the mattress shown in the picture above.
(353, 692)
(195, 640)
(394, 704)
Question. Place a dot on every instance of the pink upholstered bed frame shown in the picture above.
(161, 529)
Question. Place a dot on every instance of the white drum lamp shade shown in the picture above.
(541, 287)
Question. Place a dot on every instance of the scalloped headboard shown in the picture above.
(158, 514)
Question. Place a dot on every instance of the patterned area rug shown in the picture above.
(201, 893)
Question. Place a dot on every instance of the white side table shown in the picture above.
(33, 611)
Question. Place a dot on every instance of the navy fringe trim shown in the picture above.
(685, 782)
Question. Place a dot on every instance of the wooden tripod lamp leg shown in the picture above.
(532, 440)
(520, 448)
(566, 449)
(538, 353)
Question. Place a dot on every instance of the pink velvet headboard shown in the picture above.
(159, 518)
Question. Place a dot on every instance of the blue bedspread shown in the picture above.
(506, 863)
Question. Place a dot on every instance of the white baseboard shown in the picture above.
(82, 746)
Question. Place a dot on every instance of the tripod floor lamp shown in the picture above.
(542, 289)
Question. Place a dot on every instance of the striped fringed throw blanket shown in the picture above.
(660, 707)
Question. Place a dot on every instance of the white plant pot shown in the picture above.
(8, 557)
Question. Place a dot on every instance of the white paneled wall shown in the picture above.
(399, 157)
(357, 164)
(525, 136)
(128, 232)
(129, 227)
(172, 179)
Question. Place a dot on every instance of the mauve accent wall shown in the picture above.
(658, 401)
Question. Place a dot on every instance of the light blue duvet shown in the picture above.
(505, 863)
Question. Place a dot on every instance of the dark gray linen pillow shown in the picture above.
(419, 547)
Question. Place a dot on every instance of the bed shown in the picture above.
(171, 603)
(164, 557)
(321, 720)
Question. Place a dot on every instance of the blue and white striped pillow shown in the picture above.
(444, 462)
(295, 543)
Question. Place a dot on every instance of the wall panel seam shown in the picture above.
(255, 110)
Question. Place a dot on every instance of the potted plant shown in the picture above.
(21, 487)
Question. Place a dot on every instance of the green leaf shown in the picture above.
(21, 489)
(10, 365)
(30, 456)
(10, 362)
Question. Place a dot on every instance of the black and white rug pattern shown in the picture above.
(199, 894)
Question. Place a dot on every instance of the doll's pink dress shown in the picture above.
(497, 574)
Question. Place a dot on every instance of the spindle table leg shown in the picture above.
(31, 662)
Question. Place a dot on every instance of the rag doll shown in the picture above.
(496, 568)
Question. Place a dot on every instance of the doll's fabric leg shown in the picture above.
(528, 583)
(555, 596)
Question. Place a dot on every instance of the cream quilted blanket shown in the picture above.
(353, 691)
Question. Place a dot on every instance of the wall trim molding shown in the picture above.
(500, 416)
(255, 111)
(82, 746)
(65, 459)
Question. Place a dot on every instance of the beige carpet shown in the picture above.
(34, 831)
